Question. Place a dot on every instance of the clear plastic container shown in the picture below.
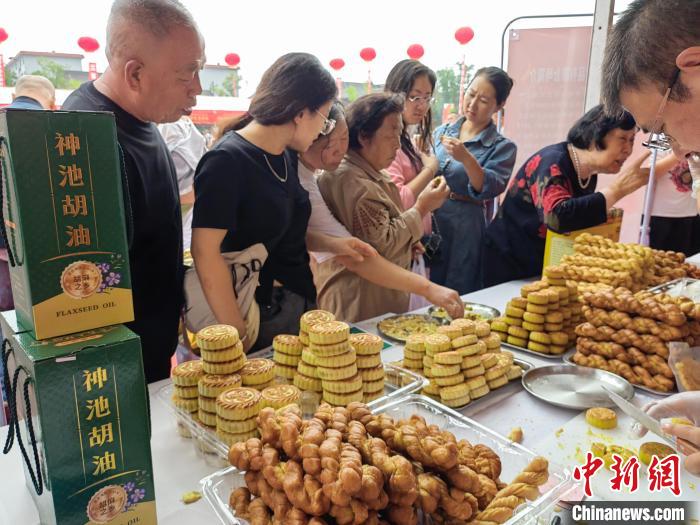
(398, 382)
(514, 458)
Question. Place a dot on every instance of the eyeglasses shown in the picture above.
(328, 124)
(657, 139)
(428, 99)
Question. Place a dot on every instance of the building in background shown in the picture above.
(30, 62)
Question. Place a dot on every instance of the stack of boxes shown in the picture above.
(67, 246)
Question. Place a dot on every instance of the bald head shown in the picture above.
(133, 26)
(37, 87)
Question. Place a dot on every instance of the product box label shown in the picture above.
(63, 214)
(89, 427)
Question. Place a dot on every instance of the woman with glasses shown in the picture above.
(328, 239)
(248, 194)
(556, 189)
(477, 162)
(414, 166)
(362, 196)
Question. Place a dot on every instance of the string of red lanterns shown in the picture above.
(89, 45)
(463, 35)
(3, 37)
(415, 51)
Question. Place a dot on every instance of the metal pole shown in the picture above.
(648, 201)
(2, 84)
(602, 22)
(460, 108)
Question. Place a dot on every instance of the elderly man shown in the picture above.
(155, 53)
(652, 69)
(33, 92)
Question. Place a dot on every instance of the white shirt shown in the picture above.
(321, 220)
(672, 196)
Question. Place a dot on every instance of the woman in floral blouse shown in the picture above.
(556, 189)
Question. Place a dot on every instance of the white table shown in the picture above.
(178, 469)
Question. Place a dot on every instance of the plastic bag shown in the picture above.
(418, 301)
(685, 364)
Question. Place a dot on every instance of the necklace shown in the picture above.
(577, 168)
(273, 170)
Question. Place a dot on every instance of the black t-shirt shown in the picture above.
(237, 190)
(155, 254)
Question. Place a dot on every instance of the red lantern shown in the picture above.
(368, 54)
(464, 34)
(415, 51)
(88, 44)
(3, 35)
(337, 64)
(232, 59)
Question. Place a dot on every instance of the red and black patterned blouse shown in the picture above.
(544, 193)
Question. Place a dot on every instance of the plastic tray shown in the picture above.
(398, 382)
(514, 458)
(568, 358)
(532, 352)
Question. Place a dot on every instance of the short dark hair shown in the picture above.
(400, 80)
(643, 46)
(592, 127)
(295, 82)
(499, 79)
(366, 115)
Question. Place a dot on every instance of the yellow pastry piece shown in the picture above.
(415, 342)
(533, 318)
(445, 370)
(287, 344)
(513, 311)
(559, 338)
(257, 372)
(188, 405)
(651, 448)
(285, 359)
(431, 389)
(330, 350)
(681, 421)
(336, 374)
(553, 327)
(540, 337)
(495, 372)
(236, 427)
(498, 382)
(476, 382)
(470, 361)
(230, 438)
(344, 386)
(600, 417)
(467, 326)
(513, 321)
(329, 333)
(519, 302)
(540, 298)
(217, 336)
(517, 341)
(556, 349)
(450, 380)
(488, 361)
(454, 392)
(307, 369)
(479, 392)
(413, 354)
(458, 402)
(413, 364)
(448, 358)
(187, 392)
(435, 343)
(279, 396)
(554, 317)
(373, 386)
(303, 382)
(191, 497)
(516, 435)
(520, 333)
(228, 367)
(514, 372)
(533, 327)
(493, 341)
(538, 347)
(464, 340)
(238, 404)
(188, 373)
(314, 317)
(453, 332)
(213, 385)
(366, 344)
(499, 325)
(346, 358)
(341, 400)
(372, 374)
(483, 329)
(470, 350)
(369, 361)
(474, 372)
(288, 372)
(536, 309)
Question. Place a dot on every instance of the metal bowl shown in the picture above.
(571, 386)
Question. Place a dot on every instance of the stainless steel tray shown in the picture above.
(398, 382)
(532, 352)
(568, 359)
(514, 458)
(572, 386)
(485, 311)
(430, 319)
(677, 287)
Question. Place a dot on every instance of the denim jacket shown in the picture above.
(495, 154)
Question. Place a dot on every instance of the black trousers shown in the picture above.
(679, 234)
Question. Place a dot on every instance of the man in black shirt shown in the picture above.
(155, 52)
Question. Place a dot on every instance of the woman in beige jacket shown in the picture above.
(363, 197)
